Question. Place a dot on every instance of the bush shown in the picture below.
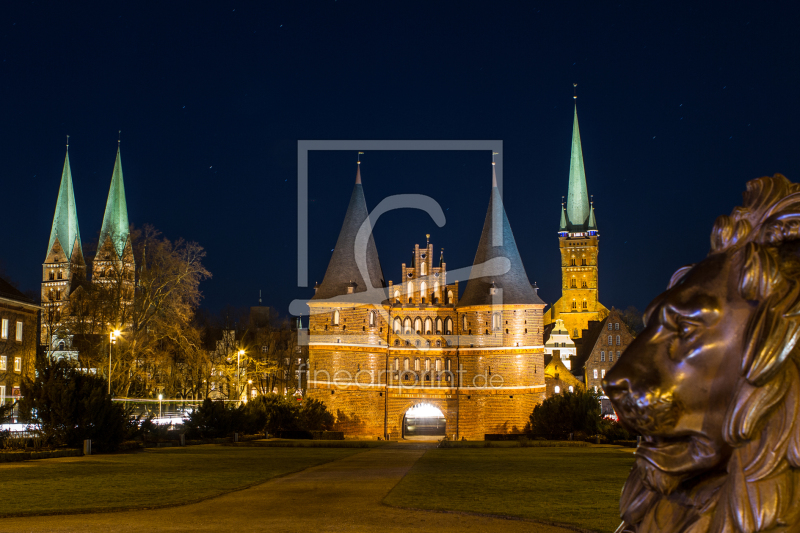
(614, 431)
(565, 413)
(210, 420)
(314, 416)
(69, 406)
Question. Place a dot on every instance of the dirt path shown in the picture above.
(344, 495)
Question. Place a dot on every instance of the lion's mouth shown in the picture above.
(678, 454)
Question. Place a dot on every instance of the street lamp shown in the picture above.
(238, 374)
(112, 338)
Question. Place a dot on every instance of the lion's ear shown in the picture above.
(679, 275)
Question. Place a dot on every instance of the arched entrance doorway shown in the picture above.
(424, 420)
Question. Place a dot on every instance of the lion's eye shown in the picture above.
(685, 329)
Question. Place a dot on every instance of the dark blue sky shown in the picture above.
(679, 105)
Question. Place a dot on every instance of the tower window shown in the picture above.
(52, 275)
(583, 262)
(574, 304)
(60, 274)
(448, 326)
(585, 304)
(572, 262)
(584, 285)
(573, 284)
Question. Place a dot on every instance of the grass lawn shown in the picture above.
(577, 486)
(148, 478)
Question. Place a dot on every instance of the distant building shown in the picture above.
(559, 344)
(578, 240)
(558, 378)
(64, 280)
(19, 317)
(612, 337)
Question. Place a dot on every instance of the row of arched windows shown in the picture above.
(584, 304)
(424, 295)
(420, 327)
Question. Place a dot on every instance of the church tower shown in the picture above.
(578, 240)
(114, 266)
(64, 267)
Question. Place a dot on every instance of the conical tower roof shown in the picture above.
(578, 196)
(497, 241)
(65, 220)
(115, 219)
(343, 271)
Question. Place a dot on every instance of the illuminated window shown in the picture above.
(19, 331)
(603, 373)
(52, 275)
(397, 326)
(464, 322)
(397, 296)
(448, 326)
(18, 364)
(585, 304)
(60, 274)
(4, 329)
(407, 326)
(595, 373)
(406, 364)
(574, 304)
(557, 389)
(396, 360)
(428, 326)
(423, 270)
(372, 319)
(496, 321)
(571, 389)
(423, 288)
(449, 297)
(418, 325)
(3, 362)
(2, 393)
(573, 284)
(438, 326)
(336, 317)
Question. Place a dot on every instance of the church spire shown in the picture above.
(343, 275)
(115, 219)
(497, 240)
(65, 220)
(577, 196)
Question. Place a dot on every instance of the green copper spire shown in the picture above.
(115, 219)
(562, 225)
(65, 220)
(578, 196)
(592, 222)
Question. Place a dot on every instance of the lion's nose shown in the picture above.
(616, 387)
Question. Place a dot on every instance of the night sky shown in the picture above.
(679, 105)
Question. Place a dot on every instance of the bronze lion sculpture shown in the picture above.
(712, 383)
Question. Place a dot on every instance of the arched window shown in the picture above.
(447, 364)
(418, 325)
(603, 373)
(572, 283)
(407, 326)
(397, 326)
(571, 389)
(496, 321)
(610, 356)
(428, 326)
(416, 342)
(595, 373)
(435, 290)
(610, 340)
(438, 365)
(396, 360)
(406, 363)
(396, 296)
(372, 319)
(618, 340)
(423, 269)
(574, 304)
(603, 356)
(336, 317)
(448, 326)
(583, 262)
(438, 344)
(557, 389)
(52, 275)
(584, 285)
(610, 325)
(416, 364)
(572, 262)
(60, 274)
(423, 288)
(427, 365)
(616, 325)
(449, 297)
(397, 343)
(463, 322)
(585, 304)
(438, 326)
(410, 291)
(618, 354)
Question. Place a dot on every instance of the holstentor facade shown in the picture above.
(378, 349)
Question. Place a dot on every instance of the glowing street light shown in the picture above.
(112, 338)
(239, 373)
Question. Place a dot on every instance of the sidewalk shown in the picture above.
(344, 495)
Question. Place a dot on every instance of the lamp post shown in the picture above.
(112, 338)
(239, 374)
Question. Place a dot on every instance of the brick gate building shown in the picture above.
(377, 348)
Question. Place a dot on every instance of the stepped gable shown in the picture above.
(343, 273)
(497, 240)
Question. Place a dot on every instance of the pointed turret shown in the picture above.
(343, 275)
(65, 228)
(115, 219)
(562, 225)
(497, 240)
(592, 223)
(578, 196)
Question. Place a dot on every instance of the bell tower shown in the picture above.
(578, 241)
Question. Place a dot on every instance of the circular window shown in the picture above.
(409, 274)
(422, 255)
